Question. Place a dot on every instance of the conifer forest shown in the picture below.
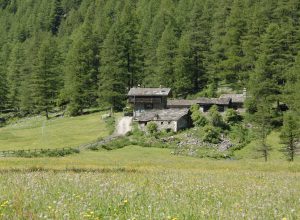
(75, 54)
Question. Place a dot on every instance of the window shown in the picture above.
(148, 106)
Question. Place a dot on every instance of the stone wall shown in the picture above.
(168, 125)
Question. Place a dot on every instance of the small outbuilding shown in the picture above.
(168, 119)
(237, 100)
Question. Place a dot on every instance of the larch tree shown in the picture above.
(14, 75)
(262, 125)
(183, 83)
(162, 18)
(131, 47)
(81, 71)
(113, 79)
(200, 36)
(268, 79)
(290, 135)
(166, 55)
(56, 16)
(232, 66)
(3, 77)
(45, 79)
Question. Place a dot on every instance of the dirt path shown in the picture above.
(123, 126)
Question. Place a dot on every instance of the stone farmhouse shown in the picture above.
(153, 105)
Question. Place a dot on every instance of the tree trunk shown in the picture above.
(47, 114)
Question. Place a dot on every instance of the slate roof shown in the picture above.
(200, 101)
(149, 92)
(215, 101)
(182, 102)
(162, 115)
(235, 98)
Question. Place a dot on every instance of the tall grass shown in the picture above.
(153, 194)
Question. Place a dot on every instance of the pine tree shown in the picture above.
(257, 21)
(268, 80)
(131, 46)
(56, 16)
(14, 75)
(113, 81)
(26, 101)
(81, 68)
(291, 94)
(218, 32)
(231, 66)
(183, 80)
(3, 77)
(199, 30)
(45, 82)
(121, 59)
(166, 54)
(262, 122)
(290, 135)
(162, 18)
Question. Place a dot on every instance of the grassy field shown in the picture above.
(147, 183)
(37, 132)
(137, 182)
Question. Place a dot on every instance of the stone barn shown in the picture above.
(168, 119)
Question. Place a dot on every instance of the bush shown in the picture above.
(211, 134)
(136, 131)
(239, 134)
(197, 117)
(47, 153)
(232, 117)
(215, 118)
(73, 109)
(152, 128)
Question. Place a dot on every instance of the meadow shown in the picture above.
(39, 133)
(147, 183)
(142, 183)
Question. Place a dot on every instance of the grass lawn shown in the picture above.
(37, 132)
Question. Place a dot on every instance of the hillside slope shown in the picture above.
(38, 133)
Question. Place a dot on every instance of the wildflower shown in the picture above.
(284, 218)
(125, 201)
(4, 204)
